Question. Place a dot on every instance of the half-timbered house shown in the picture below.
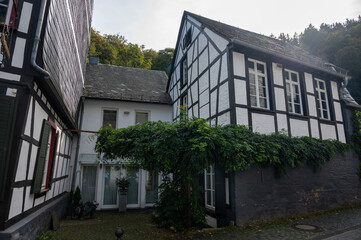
(228, 75)
(120, 97)
(44, 46)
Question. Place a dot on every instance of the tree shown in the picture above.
(163, 59)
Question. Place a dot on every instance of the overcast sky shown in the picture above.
(155, 23)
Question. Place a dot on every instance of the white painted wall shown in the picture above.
(239, 67)
(299, 128)
(277, 73)
(263, 123)
(328, 131)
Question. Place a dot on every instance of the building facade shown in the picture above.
(120, 97)
(229, 75)
(44, 50)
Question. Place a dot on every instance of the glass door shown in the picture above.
(110, 193)
(151, 188)
(89, 183)
(133, 191)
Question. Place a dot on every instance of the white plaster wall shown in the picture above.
(204, 111)
(328, 131)
(224, 68)
(239, 67)
(277, 74)
(32, 162)
(28, 118)
(242, 116)
(204, 98)
(334, 89)
(341, 133)
(18, 55)
(280, 99)
(195, 110)
(25, 17)
(299, 128)
(282, 122)
(224, 119)
(16, 202)
(203, 61)
(203, 82)
(309, 83)
(214, 74)
(240, 91)
(214, 102)
(213, 53)
(223, 102)
(338, 113)
(312, 105)
(220, 42)
(23, 159)
(315, 133)
(263, 123)
(202, 42)
(29, 199)
(40, 114)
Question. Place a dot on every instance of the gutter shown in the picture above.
(37, 40)
(246, 44)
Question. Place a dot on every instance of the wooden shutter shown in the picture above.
(41, 158)
(53, 162)
(7, 109)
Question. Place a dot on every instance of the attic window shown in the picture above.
(187, 39)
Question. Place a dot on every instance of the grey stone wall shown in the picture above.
(38, 222)
(260, 195)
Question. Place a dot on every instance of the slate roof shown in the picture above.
(123, 83)
(267, 44)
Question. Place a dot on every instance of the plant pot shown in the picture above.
(123, 200)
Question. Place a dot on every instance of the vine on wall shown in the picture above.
(185, 148)
(356, 136)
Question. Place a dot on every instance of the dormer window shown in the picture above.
(187, 39)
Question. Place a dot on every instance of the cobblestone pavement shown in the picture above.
(329, 224)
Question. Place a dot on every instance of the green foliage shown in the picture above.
(338, 43)
(123, 183)
(185, 148)
(77, 196)
(356, 136)
(45, 236)
(115, 50)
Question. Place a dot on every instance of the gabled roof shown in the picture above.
(123, 83)
(267, 44)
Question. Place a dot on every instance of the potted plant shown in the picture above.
(123, 185)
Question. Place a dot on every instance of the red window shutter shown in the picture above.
(13, 13)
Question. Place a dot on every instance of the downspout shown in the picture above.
(75, 172)
(37, 40)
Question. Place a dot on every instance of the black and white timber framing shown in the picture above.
(217, 88)
(28, 97)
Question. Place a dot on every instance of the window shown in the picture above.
(184, 100)
(141, 117)
(6, 12)
(46, 154)
(209, 187)
(110, 118)
(258, 85)
(184, 68)
(187, 39)
(321, 96)
(293, 92)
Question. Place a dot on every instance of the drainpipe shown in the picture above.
(37, 40)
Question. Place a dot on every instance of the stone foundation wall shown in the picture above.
(38, 222)
(260, 195)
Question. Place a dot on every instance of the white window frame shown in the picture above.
(256, 74)
(211, 174)
(116, 116)
(8, 12)
(318, 98)
(293, 84)
(140, 111)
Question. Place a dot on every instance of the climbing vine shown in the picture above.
(356, 136)
(184, 149)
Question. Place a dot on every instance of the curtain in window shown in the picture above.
(111, 175)
(151, 194)
(89, 183)
(133, 176)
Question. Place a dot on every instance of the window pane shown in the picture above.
(3, 11)
(323, 96)
(324, 105)
(251, 65)
(296, 89)
(88, 183)
(214, 198)
(263, 102)
(294, 77)
(133, 176)
(325, 114)
(322, 85)
(253, 101)
(288, 89)
(290, 108)
(252, 78)
(296, 98)
(208, 181)
(141, 117)
(261, 81)
(287, 75)
(262, 91)
(260, 68)
(252, 89)
(297, 108)
(110, 118)
(209, 198)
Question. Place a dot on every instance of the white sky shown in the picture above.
(155, 23)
